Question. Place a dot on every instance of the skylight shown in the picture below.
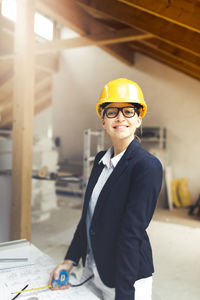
(43, 26)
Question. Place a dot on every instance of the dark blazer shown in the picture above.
(125, 206)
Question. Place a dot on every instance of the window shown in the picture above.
(43, 26)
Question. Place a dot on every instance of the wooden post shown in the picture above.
(23, 101)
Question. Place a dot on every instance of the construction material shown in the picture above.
(174, 189)
(183, 192)
(180, 193)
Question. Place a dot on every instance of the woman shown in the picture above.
(120, 200)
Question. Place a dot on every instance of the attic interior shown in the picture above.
(48, 75)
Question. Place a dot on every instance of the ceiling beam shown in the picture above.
(42, 91)
(46, 90)
(181, 55)
(6, 73)
(48, 62)
(70, 14)
(6, 43)
(166, 59)
(6, 119)
(125, 54)
(183, 12)
(162, 29)
(105, 38)
(6, 90)
(6, 24)
(40, 106)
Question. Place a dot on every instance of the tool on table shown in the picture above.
(34, 289)
(20, 292)
(62, 280)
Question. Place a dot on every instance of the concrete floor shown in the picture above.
(175, 241)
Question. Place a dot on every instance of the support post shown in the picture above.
(23, 105)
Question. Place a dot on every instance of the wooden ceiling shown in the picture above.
(167, 31)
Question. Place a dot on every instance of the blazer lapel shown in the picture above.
(117, 172)
(96, 171)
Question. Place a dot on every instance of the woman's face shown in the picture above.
(121, 127)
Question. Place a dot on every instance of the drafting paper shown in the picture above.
(36, 274)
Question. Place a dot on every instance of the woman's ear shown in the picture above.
(139, 122)
(103, 123)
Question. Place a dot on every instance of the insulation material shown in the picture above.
(45, 158)
(43, 199)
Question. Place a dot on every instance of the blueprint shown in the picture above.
(34, 272)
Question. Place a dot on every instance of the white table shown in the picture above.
(34, 272)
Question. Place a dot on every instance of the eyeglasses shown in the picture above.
(112, 112)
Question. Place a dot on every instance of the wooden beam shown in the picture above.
(6, 119)
(123, 54)
(183, 12)
(166, 59)
(162, 29)
(6, 72)
(62, 11)
(42, 90)
(6, 90)
(105, 38)
(42, 105)
(47, 62)
(50, 62)
(23, 120)
(6, 43)
(43, 83)
(70, 14)
(181, 55)
(6, 24)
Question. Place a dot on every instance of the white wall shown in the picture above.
(42, 123)
(172, 99)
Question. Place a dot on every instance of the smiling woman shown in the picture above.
(120, 121)
(119, 203)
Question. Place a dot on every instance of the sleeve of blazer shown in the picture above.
(144, 190)
(74, 251)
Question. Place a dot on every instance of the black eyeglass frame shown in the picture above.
(120, 109)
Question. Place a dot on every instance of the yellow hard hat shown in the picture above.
(121, 90)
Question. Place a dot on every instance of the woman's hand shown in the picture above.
(67, 266)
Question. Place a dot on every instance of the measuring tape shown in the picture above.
(61, 281)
